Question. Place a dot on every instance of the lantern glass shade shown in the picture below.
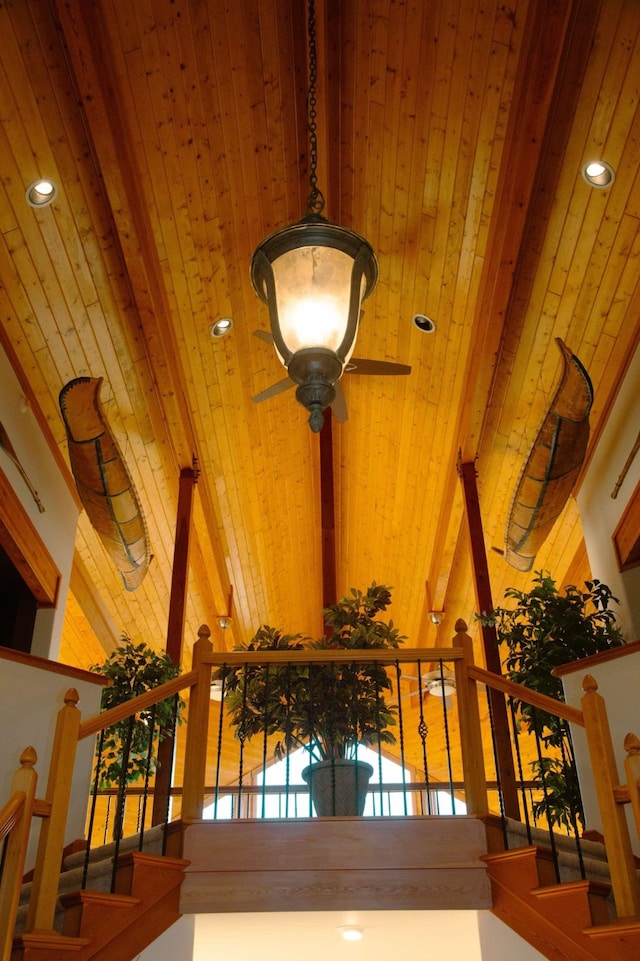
(314, 276)
(313, 293)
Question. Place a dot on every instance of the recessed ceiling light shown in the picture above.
(424, 323)
(221, 327)
(351, 933)
(41, 193)
(598, 173)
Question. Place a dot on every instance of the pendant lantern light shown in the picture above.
(314, 277)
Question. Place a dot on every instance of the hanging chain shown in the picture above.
(315, 200)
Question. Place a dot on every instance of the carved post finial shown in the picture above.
(632, 744)
(71, 698)
(460, 626)
(589, 684)
(28, 757)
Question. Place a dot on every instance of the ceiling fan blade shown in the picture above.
(274, 390)
(358, 365)
(264, 335)
(339, 406)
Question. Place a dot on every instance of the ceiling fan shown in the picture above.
(441, 683)
(355, 365)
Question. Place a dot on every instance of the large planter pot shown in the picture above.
(338, 787)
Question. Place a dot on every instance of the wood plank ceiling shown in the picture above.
(451, 135)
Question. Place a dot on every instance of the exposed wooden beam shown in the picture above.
(504, 751)
(175, 627)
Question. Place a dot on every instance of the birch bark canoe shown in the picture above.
(103, 481)
(552, 466)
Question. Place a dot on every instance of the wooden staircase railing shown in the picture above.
(15, 824)
(611, 793)
(70, 729)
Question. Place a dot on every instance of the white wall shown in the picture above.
(30, 698)
(600, 513)
(57, 525)
(499, 943)
(176, 944)
(617, 681)
(454, 934)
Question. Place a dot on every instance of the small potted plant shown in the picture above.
(329, 709)
(542, 630)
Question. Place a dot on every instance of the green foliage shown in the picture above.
(560, 801)
(541, 631)
(330, 708)
(132, 670)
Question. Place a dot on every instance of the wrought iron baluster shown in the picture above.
(447, 742)
(401, 733)
(142, 810)
(216, 789)
(423, 732)
(516, 742)
(94, 802)
(545, 792)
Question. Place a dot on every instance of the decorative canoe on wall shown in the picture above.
(104, 485)
(552, 466)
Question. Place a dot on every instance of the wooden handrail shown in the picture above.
(11, 813)
(122, 711)
(16, 823)
(331, 656)
(522, 693)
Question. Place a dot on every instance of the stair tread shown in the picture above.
(168, 863)
(630, 925)
(52, 940)
(97, 897)
(530, 852)
(569, 887)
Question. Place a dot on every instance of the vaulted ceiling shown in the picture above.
(452, 135)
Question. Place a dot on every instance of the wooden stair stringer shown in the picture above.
(565, 922)
(100, 926)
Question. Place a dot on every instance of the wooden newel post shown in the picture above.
(195, 761)
(44, 893)
(632, 771)
(24, 787)
(624, 883)
(475, 779)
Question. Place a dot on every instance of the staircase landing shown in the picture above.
(319, 864)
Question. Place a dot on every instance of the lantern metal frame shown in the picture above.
(315, 369)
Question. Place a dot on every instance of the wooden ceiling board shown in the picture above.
(451, 136)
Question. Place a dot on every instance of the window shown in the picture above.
(280, 792)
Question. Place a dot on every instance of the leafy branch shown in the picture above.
(129, 748)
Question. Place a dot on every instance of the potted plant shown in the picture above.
(542, 630)
(329, 709)
(127, 751)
